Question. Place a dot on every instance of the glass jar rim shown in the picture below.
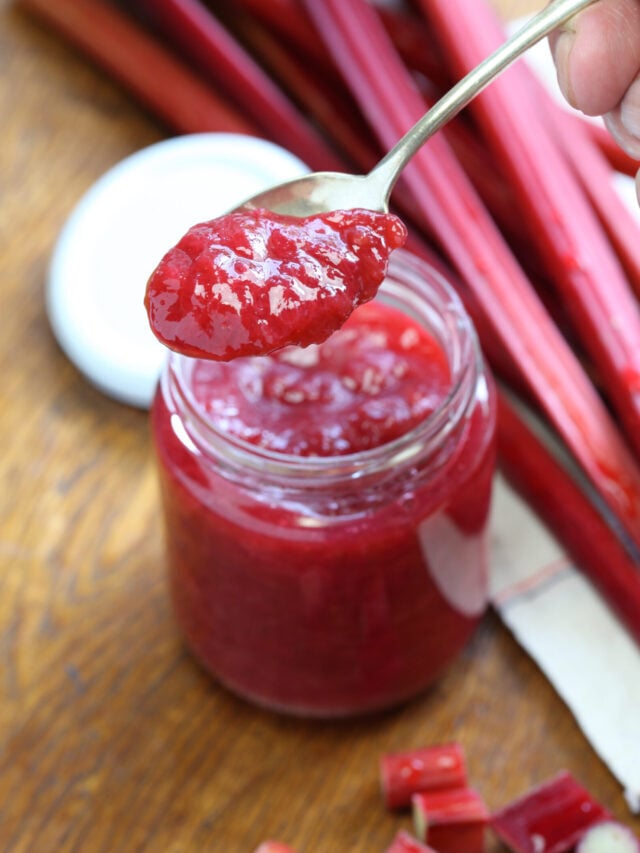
(430, 300)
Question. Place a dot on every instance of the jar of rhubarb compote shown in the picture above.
(326, 508)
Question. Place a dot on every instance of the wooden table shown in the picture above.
(112, 739)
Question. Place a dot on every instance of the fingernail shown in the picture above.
(630, 110)
(628, 141)
(562, 55)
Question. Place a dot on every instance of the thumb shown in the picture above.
(597, 55)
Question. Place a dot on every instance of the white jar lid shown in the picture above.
(118, 233)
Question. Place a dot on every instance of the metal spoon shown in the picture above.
(320, 192)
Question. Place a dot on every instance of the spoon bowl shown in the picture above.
(322, 192)
(319, 192)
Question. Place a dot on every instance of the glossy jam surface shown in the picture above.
(370, 382)
(338, 595)
(251, 282)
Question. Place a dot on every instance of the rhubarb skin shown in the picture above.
(452, 820)
(404, 842)
(594, 547)
(194, 30)
(552, 817)
(403, 774)
(150, 72)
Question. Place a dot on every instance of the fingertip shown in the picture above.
(561, 47)
(598, 55)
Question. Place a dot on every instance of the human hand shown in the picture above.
(597, 57)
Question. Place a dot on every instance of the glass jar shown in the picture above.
(332, 586)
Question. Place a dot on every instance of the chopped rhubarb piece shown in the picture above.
(251, 282)
(403, 774)
(274, 847)
(406, 843)
(452, 820)
(609, 837)
(552, 817)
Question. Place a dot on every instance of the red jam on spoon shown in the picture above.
(251, 282)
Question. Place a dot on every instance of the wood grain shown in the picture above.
(111, 738)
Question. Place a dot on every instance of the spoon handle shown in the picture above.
(385, 174)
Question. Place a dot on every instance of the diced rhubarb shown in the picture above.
(552, 817)
(404, 842)
(403, 774)
(609, 837)
(452, 820)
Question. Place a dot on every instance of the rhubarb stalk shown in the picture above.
(133, 58)
(190, 26)
(475, 247)
(318, 96)
(594, 171)
(580, 260)
(588, 540)
(617, 158)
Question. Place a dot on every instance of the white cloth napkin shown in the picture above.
(563, 623)
(553, 610)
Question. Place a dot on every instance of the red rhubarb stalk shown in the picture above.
(403, 774)
(412, 41)
(190, 26)
(566, 230)
(552, 817)
(318, 96)
(546, 486)
(477, 250)
(274, 847)
(617, 158)
(133, 58)
(452, 820)
(594, 171)
(288, 20)
(489, 183)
